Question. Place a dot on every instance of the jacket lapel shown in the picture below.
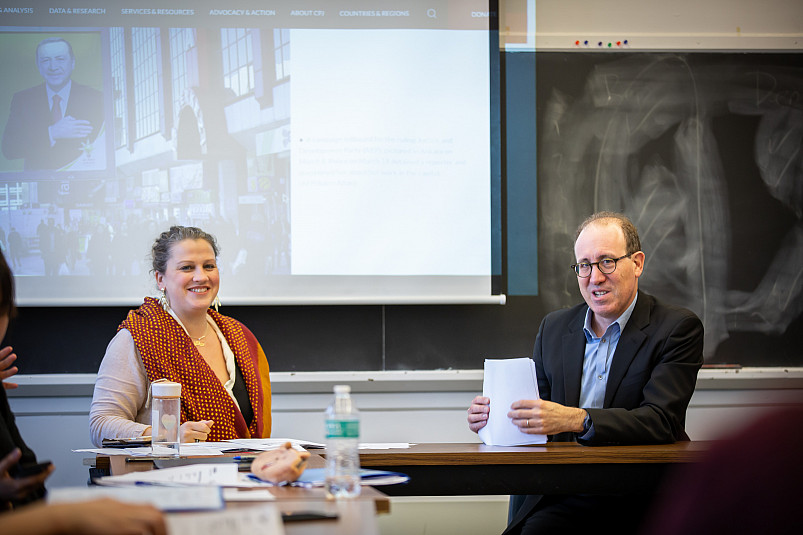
(574, 343)
(629, 343)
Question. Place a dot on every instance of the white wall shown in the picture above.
(676, 25)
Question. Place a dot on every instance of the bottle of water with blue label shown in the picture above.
(342, 445)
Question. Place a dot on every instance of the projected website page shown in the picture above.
(337, 154)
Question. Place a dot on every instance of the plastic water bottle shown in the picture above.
(342, 445)
(165, 418)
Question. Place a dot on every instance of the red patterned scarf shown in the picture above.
(168, 353)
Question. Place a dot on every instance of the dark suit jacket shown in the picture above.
(26, 134)
(9, 439)
(651, 380)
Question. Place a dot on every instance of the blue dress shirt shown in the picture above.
(597, 360)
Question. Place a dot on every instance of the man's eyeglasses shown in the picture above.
(605, 266)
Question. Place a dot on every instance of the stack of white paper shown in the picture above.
(506, 381)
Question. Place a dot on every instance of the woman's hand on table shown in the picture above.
(196, 431)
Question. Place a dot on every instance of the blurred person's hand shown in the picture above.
(12, 488)
(7, 358)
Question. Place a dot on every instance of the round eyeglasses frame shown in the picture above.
(603, 266)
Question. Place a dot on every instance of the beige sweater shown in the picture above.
(120, 406)
(121, 393)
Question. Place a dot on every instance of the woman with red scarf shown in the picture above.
(225, 385)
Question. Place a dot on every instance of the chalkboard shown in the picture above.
(702, 150)
(304, 338)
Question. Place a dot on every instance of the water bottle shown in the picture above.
(165, 418)
(342, 443)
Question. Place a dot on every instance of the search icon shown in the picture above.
(431, 13)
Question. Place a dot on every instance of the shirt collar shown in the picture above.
(64, 93)
(621, 320)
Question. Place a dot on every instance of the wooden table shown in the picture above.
(355, 516)
(554, 468)
(119, 464)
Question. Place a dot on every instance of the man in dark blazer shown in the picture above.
(52, 124)
(618, 369)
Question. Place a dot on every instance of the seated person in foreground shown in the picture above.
(618, 369)
(22, 511)
(225, 384)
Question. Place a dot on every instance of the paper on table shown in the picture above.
(104, 451)
(166, 499)
(201, 449)
(384, 445)
(273, 443)
(264, 519)
(506, 381)
(206, 449)
(194, 474)
(247, 495)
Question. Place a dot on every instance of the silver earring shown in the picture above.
(163, 300)
(216, 303)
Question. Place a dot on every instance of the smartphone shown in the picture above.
(294, 516)
(27, 470)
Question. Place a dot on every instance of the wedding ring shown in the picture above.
(528, 423)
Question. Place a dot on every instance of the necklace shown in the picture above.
(201, 340)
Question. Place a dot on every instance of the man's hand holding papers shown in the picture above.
(507, 384)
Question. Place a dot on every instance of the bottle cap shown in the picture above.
(342, 389)
(166, 389)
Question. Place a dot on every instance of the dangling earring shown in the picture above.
(216, 303)
(163, 300)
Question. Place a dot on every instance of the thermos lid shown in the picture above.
(166, 389)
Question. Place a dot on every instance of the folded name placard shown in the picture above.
(506, 381)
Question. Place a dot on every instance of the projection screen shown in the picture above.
(340, 151)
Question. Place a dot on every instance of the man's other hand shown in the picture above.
(478, 413)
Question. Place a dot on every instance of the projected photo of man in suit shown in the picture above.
(54, 123)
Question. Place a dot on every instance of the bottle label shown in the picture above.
(342, 429)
